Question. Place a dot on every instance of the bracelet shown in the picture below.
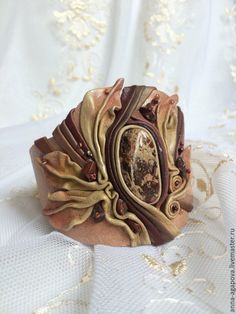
(116, 171)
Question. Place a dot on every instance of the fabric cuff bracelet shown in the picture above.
(116, 171)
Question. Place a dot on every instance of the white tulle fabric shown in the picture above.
(45, 72)
(42, 271)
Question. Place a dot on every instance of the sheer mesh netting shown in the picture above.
(42, 271)
(46, 272)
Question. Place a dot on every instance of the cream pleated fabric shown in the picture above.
(51, 53)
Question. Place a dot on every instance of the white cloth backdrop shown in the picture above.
(52, 52)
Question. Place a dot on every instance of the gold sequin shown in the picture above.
(154, 263)
(178, 267)
(204, 185)
(201, 185)
(194, 221)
